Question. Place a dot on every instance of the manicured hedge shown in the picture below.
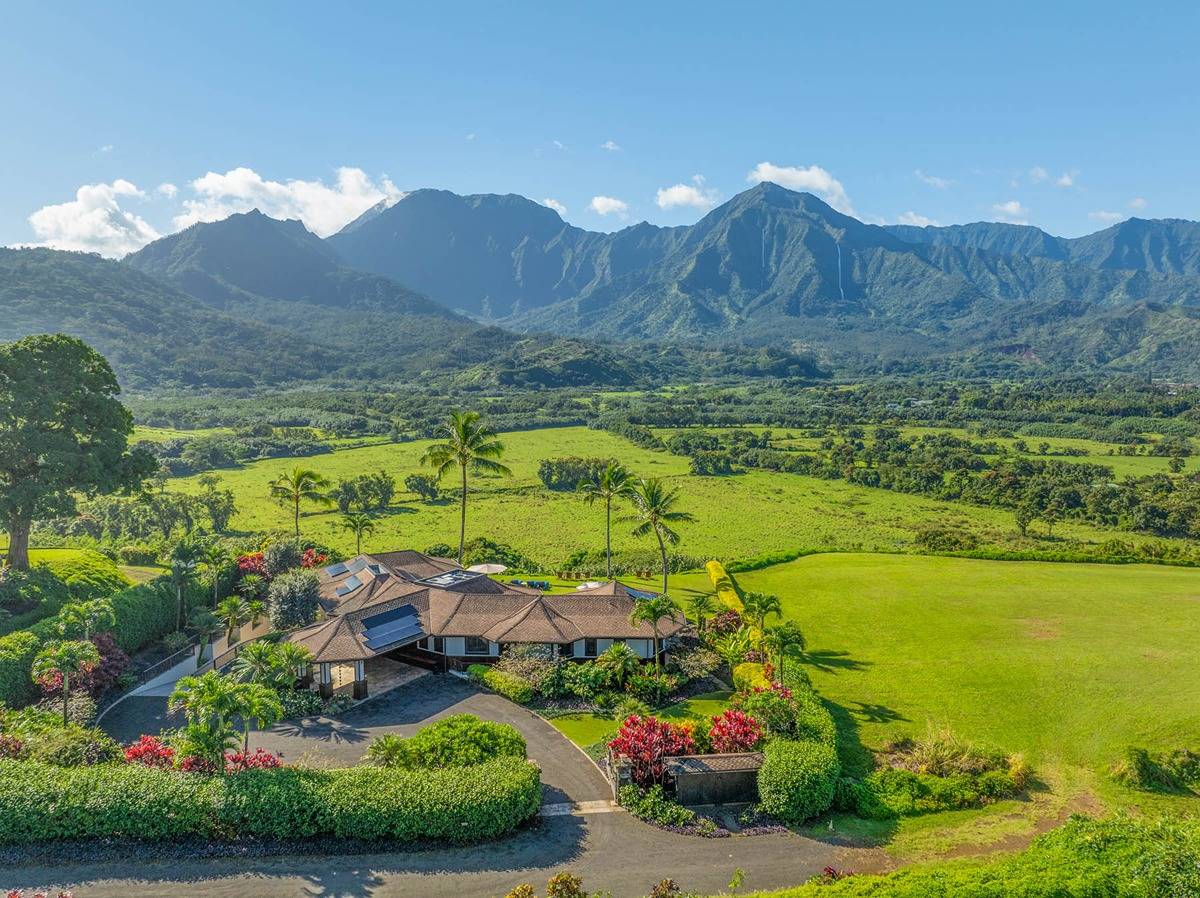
(797, 779)
(461, 740)
(144, 614)
(511, 687)
(724, 585)
(39, 802)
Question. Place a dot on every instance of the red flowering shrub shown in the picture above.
(150, 751)
(252, 563)
(259, 759)
(20, 893)
(646, 741)
(734, 731)
(192, 764)
(312, 558)
(10, 746)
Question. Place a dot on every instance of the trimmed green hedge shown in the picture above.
(797, 779)
(511, 687)
(452, 806)
(144, 613)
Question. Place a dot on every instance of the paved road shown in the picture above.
(612, 851)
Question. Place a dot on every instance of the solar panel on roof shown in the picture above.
(400, 625)
(336, 570)
(349, 586)
(356, 565)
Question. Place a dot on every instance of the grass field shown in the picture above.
(737, 516)
(1068, 664)
(587, 729)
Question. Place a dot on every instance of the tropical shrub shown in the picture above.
(734, 731)
(726, 588)
(137, 554)
(150, 751)
(646, 742)
(531, 663)
(73, 746)
(511, 687)
(584, 680)
(723, 624)
(775, 708)
(259, 759)
(461, 740)
(97, 679)
(653, 806)
(253, 563)
(693, 664)
(749, 676)
(797, 779)
(134, 801)
(292, 599)
(1156, 772)
(282, 555)
(651, 688)
(894, 792)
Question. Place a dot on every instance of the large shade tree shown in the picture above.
(468, 444)
(612, 482)
(654, 511)
(63, 434)
(299, 485)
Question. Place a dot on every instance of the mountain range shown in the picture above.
(496, 290)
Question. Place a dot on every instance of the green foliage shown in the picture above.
(282, 555)
(571, 473)
(653, 806)
(797, 779)
(511, 687)
(74, 746)
(292, 599)
(456, 806)
(1158, 771)
(749, 676)
(891, 792)
(461, 740)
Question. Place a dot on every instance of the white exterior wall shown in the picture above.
(456, 645)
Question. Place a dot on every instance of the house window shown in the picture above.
(477, 646)
(439, 644)
(589, 648)
(567, 650)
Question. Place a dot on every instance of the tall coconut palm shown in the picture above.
(207, 626)
(701, 607)
(184, 559)
(216, 558)
(360, 524)
(654, 510)
(66, 659)
(652, 611)
(233, 612)
(756, 606)
(613, 482)
(86, 618)
(469, 444)
(300, 485)
(784, 641)
(258, 706)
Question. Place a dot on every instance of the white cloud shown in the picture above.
(611, 145)
(933, 180)
(1138, 202)
(813, 178)
(556, 206)
(107, 148)
(167, 189)
(94, 221)
(1067, 178)
(915, 218)
(324, 209)
(1011, 211)
(1107, 217)
(559, 145)
(1037, 174)
(608, 205)
(695, 195)
(471, 136)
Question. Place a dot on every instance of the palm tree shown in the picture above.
(255, 609)
(652, 611)
(206, 626)
(620, 661)
(233, 612)
(207, 701)
(293, 657)
(215, 557)
(701, 606)
(66, 659)
(184, 559)
(614, 482)
(732, 647)
(469, 444)
(755, 608)
(300, 485)
(251, 586)
(654, 510)
(389, 750)
(360, 524)
(258, 706)
(784, 640)
(86, 618)
(260, 662)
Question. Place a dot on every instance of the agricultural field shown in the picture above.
(1068, 664)
(737, 517)
(163, 434)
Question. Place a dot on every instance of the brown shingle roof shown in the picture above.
(333, 640)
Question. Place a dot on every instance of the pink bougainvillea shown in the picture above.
(734, 731)
(647, 741)
(150, 751)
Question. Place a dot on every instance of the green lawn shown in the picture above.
(588, 729)
(737, 516)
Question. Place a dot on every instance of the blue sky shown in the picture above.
(124, 121)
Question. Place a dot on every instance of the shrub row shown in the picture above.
(797, 779)
(144, 614)
(461, 740)
(513, 688)
(39, 802)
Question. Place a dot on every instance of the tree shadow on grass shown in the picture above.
(831, 661)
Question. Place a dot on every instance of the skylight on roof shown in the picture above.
(638, 594)
(336, 570)
(349, 586)
(450, 579)
(356, 565)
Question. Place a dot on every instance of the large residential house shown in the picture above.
(417, 609)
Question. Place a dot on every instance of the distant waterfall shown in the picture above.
(838, 244)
